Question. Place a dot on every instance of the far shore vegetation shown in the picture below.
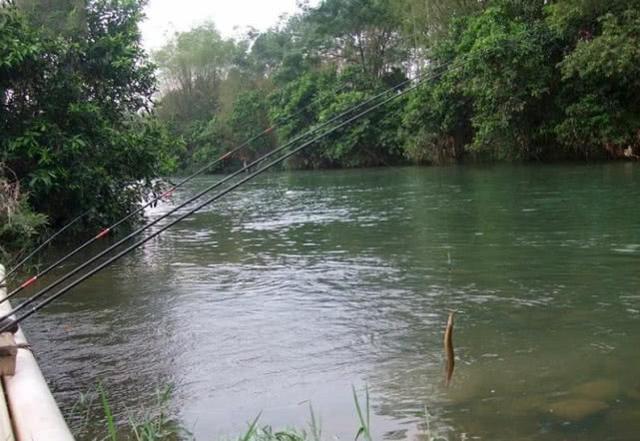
(90, 122)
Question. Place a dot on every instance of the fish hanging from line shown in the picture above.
(448, 350)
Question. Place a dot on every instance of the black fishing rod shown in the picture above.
(310, 132)
(5, 325)
(41, 246)
(105, 231)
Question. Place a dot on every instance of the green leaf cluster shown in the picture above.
(532, 81)
(508, 80)
(75, 90)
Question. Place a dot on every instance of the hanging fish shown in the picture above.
(448, 350)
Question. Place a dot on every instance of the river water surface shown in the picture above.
(300, 285)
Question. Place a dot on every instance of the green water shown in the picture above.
(301, 284)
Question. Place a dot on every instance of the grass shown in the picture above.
(145, 425)
(157, 426)
(108, 415)
(364, 417)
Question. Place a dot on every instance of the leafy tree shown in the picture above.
(504, 80)
(319, 96)
(602, 80)
(250, 117)
(52, 18)
(507, 68)
(356, 32)
(527, 80)
(72, 122)
(192, 67)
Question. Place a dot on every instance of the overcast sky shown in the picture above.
(231, 17)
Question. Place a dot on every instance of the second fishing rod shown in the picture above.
(4, 326)
(310, 132)
(105, 231)
(40, 247)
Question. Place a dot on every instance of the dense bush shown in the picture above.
(533, 81)
(19, 225)
(505, 80)
(73, 121)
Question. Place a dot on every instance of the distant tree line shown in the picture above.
(89, 123)
(505, 80)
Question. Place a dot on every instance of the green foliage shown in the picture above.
(523, 80)
(436, 122)
(192, 67)
(201, 75)
(317, 97)
(356, 32)
(249, 118)
(426, 21)
(303, 73)
(19, 225)
(364, 415)
(507, 69)
(108, 414)
(297, 107)
(602, 107)
(55, 17)
(504, 80)
(73, 120)
(155, 424)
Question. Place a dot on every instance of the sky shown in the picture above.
(231, 17)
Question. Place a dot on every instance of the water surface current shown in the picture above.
(299, 286)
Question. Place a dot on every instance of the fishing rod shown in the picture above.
(3, 323)
(105, 231)
(310, 132)
(41, 246)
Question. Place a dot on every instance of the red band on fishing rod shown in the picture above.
(103, 233)
(168, 193)
(28, 282)
(269, 130)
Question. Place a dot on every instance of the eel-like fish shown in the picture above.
(448, 349)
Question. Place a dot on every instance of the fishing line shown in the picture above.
(214, 198)
(41, 246)
(202, 193)
(433, 76)
(105, 231)
(102, 233)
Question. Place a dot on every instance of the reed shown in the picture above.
(108, 415)
(363, 417)
(157, 426)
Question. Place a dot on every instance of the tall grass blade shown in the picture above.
(251, 430)
(134, 428)
(364, 418)
(111, 425)
(315, 425)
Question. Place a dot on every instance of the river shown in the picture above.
(301, 285)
